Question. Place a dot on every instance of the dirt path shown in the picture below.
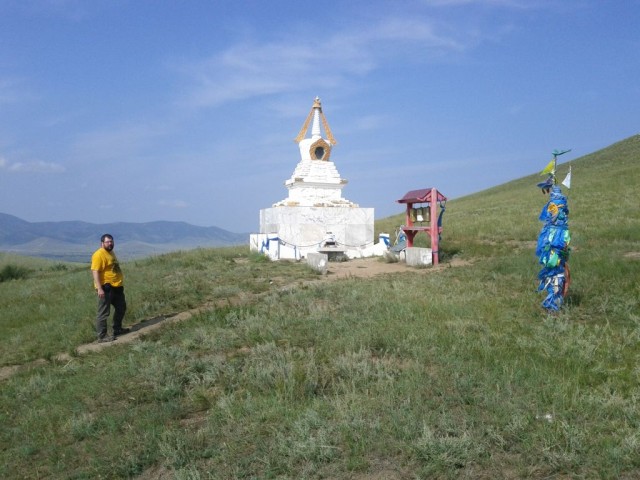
(360, 268)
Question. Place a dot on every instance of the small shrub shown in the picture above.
(13, 272)
(58, 267)
(255, 257)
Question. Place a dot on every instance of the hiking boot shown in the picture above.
(106, 339)
(121, 331)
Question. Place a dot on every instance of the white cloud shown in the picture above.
(251, 69)
(37, 166)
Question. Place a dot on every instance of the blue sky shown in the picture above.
(139, 110)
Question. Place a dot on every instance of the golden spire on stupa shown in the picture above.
(316, 114)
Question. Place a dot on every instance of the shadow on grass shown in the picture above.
(573, 299)
(151, 321)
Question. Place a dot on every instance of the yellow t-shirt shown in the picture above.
(108, 268)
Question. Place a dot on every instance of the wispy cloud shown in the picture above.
(37, 166)
(250, 70)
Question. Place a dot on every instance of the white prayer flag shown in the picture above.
(567, 180)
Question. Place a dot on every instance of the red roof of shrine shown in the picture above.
(420, 196)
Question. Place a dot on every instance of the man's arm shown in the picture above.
(96, 281)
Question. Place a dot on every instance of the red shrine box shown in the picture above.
(424, 218)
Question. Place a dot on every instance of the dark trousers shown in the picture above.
(112, 296)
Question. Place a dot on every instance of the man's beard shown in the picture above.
(108, 248)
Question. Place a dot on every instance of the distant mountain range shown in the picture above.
(76, 241)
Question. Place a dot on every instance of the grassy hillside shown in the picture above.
(603, 204)
(448, 373)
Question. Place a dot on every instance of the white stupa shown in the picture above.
(315, 214)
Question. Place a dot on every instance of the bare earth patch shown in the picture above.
(374, 266)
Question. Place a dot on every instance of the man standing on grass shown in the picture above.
(108, 282)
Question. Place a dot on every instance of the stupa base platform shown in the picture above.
(299, 230)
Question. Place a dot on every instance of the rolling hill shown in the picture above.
(74, 240)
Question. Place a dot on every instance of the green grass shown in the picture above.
(52, 309)
(455, 373)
